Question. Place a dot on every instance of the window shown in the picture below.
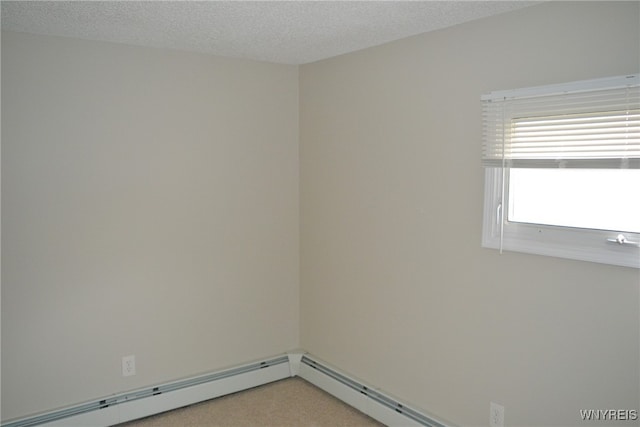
(562, 170)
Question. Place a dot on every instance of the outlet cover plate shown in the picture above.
(128, 365)
(496, 415)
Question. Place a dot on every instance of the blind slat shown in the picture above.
(594, 123)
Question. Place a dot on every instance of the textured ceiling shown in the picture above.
(291, 32)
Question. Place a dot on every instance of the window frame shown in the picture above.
(501, 153)
(563, 242)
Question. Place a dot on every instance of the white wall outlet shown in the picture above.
(496, 415)
(128, 365)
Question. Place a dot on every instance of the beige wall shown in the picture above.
(150, 207)
(396, 288)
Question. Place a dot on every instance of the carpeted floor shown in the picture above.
(292, 402)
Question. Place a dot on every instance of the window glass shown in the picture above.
(603, 199)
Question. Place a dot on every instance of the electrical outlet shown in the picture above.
(128, 365)
(496, 415)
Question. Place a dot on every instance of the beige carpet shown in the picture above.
(292, 402)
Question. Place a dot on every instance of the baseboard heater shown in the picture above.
(141, 403)
(153, 400)
(366, 399)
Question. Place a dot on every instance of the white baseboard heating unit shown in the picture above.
(141, 403)
(366, 399)
(153, 400)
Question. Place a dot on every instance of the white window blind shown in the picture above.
(588, 124)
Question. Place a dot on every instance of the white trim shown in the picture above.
(562, 242)
(294, 362)
(572, 87)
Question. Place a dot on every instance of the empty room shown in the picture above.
(429, 210)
